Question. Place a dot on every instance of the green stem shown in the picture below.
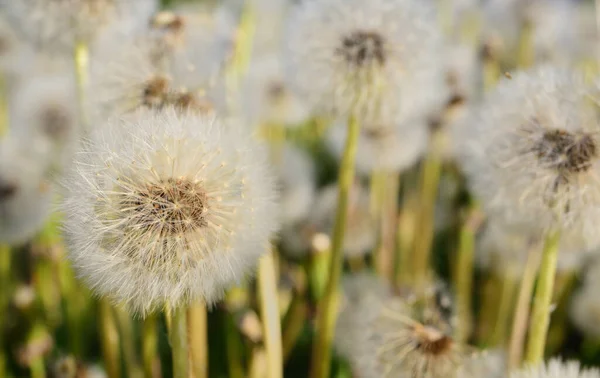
(234, 350)
(179, 343)
(407, 224)
(504, 311)
(525, 51)
(464, 275)
(4, 121)
(128, 343)
(542, 301)
(81, 57)
(294, 324)
(388, 227)
(269, 308)
(430, 177)
(198, 338)
(150, 345)
(109, 337)
(519, 327)
(321, 352)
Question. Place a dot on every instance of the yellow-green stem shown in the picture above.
(3, 106)
(150, 345)
(388, 215)
(542, 301)
(294, 324)
(81, 56)
(109, 337)
(198, 338)
(430, 176)
(269, 309)
(5, 293)
(179, 343)
(525, 53)
(407, 225)
(326, 318)
(500, 333)
(491, 69)
(127, 337)
(464, 274)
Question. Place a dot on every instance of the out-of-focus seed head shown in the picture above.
(56, 25)
(488, 364)
(377, 58)
(168, 207)
(531, 154)
(296, 175)
(381, 147)
(267, 98)
(556, 369)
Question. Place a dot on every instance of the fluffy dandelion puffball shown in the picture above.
(556, 369)
(168, 208)
(25, 195)
(531, 153)
(377, 58)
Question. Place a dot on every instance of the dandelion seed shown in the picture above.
(188, 219)
(531, 154)
(380, 58)
(556, 369)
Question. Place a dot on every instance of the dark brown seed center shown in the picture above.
(566, 152)
(56, 122)
(172, 206)
(363, 48)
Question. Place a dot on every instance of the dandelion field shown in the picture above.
(299, 188)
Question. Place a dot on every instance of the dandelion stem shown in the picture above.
(430, 176)
(503, 318)
(525, 56)
(81, 58)
(464, 273)
(407, 223)
(326, 318)
(5, 265)
(197, 318)
(294, 322)
(389, 212)
(179, 342)
(109, 337)
(519, 326)
(128, 347)
(3, 106)
(542, 301)
(149, 345)
(234, 350)
(269, 308)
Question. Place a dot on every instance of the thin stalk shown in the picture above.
(389, 212)
(488, 309)
(464, 274)
(504, 311)
(269, 308)
(81, 56)
(179, 343)
(294, 324)
(525, 51)
(542, 301)
(4, 121)
(430, 176)
(326, 318)
(258, 365)
(128, 347)
(407, 225)
(491, 68)
(150, 345)
(109, 337)
(197, 318)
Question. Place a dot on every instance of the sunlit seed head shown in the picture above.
(531, 154)
(168, 206)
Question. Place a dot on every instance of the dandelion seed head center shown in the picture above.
(432, 342)
(566, 152)
(55, 120)
(377, 133)
(275, 90)
(154, 91)
(177, 206)
(363, 48)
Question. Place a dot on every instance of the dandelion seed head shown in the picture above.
(168, 207)
(377, 58)
(296, 175)
(490, 364)
(556, 369)
(530, 152)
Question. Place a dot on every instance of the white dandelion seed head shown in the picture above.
(556, 369)
(382, 147)
(379, 58)
(25, 196)
(56, 25)
(44, 112)
(164, 207)
(360, 235)
(402, 336)
(266, 98)
(487, 363)
(198, 42)
(296, 175)
(531, 154)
